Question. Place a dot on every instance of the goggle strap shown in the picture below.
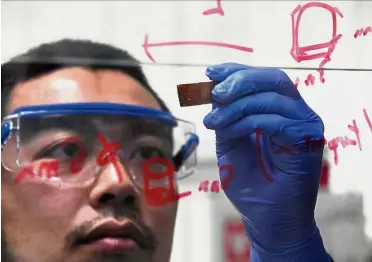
(6, 128)
(185, 152)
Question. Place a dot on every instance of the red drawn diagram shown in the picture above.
(164, 193)
(323, 50)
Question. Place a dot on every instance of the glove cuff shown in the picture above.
(312, 251)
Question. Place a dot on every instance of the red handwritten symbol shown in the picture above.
(216, 10)
(146, 45)
(368, 120)
(26, 171)
(160, 195)
(261, 164)
(309, 145)
(301, 53)
(203, 186)
(225, 181)
(51, 168)
(108, 155)
(297, 82)
(333, 145)
(310, 80)
(77, 161)
(354, 128)
(319, 144)
(345, 141)
(215, 186)
(362, 31)
(46, 168)
(284, 150)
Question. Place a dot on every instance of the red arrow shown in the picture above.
(146, 45)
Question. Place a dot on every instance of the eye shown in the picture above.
(61, 150)
(147, 153)
(70, 149)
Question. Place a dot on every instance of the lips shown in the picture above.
(114, 237)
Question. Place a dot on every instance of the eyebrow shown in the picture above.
(151, 127)
(132, 127)
(32, 127)
(155, 129)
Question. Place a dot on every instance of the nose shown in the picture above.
(113, 186)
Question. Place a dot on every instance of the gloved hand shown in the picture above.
(263, 129)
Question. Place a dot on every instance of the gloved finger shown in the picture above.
(285, 131)
(222, 71)
(251, 81)
(263, 103)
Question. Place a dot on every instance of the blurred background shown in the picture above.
(285, 34)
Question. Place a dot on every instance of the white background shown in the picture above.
(264, 26)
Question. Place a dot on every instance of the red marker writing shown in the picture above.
(333, 145)
(301, 53)
(50, 169)
(46, 169)
(26, 171)
(216, 10)
(345, 141)
(215, 185)
(227, 179)
(362, 31)
(368, 120)
(77, 162)
(259, 156)
(297, 82)
(166, 193)
(310, 80)
(108, 155)
(354, 128)
(309, 145)
(146, 46)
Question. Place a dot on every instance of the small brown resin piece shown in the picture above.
(195, 93)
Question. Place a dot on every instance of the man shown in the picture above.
(97, 210)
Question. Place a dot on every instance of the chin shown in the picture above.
(91, 256)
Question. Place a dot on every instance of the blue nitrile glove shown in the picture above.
(278, 214)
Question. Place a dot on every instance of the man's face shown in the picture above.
(47, 222)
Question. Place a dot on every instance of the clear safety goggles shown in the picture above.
(71, 143)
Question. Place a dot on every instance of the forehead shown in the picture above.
(71, 85)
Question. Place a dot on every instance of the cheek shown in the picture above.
(36, 218)
(40, 205)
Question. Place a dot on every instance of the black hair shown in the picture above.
(49, 57)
